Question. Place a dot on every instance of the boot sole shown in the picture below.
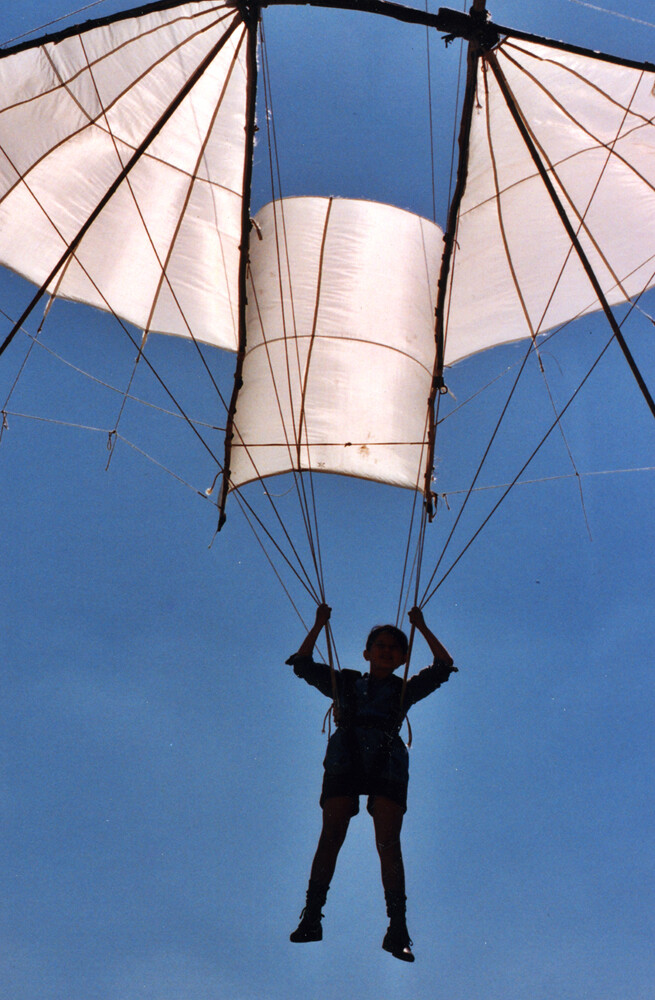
(403, 956)
(296, 938)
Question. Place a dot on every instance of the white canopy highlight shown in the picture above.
(340, 323)
(341, 341)
(515, 275)
(515, 271)
(164, 253)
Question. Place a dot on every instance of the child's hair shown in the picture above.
(397, 633)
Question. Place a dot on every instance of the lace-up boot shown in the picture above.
(397, 940)
(309, 928)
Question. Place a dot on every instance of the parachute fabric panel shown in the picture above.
(341, 342)
(74, 111)
(515, 273)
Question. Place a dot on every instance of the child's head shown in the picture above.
(395, 633)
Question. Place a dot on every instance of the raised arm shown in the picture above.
(438, 651)
(306, 647)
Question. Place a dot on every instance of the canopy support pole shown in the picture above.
(136, 156)
(250, 14)
(449, 239)
(566, 222)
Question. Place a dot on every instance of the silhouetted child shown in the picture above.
(366, 756)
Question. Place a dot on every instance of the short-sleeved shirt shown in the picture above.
(366, 756)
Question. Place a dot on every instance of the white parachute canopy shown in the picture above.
(341, 347)
(341, 342)
(340, 321)
(516, 273)
(164, 253)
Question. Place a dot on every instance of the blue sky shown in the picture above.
(160, 766)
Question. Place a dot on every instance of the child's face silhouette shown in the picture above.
(384, 655)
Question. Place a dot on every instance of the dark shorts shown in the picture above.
(353, 785)
(363, 761)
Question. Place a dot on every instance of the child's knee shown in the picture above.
(388, 845)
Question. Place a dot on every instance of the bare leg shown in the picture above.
(388, 820)
(336, 817)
